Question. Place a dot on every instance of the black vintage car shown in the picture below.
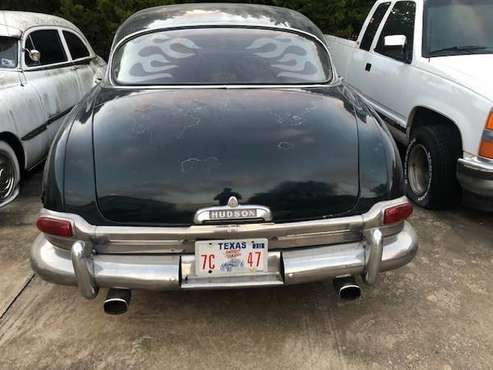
(221, 151)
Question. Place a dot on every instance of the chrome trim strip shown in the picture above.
(137, 239)
(188, 246)
(177, 87)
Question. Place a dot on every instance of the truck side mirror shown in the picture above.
(397, 43)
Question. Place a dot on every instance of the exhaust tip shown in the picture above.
(350, 292)
(117, 301)
(347, 289)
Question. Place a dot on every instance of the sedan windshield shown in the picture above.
(8, 52)
(458, 27)
(221, 56)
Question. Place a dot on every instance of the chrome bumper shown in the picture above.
(81, 266)
(476, 175)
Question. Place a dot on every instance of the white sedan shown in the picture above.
(46, 67)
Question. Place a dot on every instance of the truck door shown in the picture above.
(357, 71)
(390, 70)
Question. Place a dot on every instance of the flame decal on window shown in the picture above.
(291, 64)
(156, 56)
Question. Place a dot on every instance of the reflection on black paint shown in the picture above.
(300, 200)
(224, 196)
(163, 174)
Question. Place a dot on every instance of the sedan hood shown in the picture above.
(471, 71)
(160, 155)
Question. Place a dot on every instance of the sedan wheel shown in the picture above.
(9, 173)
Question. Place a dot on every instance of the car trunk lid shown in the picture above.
(160, 155)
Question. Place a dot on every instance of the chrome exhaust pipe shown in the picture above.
(117, 301)
(347, 288)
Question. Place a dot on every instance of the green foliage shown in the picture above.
(99, 19)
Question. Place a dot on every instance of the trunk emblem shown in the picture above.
(232, 202)
(232, 212)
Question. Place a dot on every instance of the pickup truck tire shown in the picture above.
(430, 167)
(9, 172)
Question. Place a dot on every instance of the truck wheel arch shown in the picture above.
(421, 116)
(16, 145)
(435, 144)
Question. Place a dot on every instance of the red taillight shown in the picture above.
(55, 227)
(397, 213)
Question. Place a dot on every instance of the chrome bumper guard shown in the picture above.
(82, 266)
(476, 175)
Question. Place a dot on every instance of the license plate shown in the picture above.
(230, 257)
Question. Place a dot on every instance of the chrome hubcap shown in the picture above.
(418, 171)
(7, 177)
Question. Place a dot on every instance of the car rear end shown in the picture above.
(71, 251)
(163, 179)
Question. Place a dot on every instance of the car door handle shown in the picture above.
(368, 67)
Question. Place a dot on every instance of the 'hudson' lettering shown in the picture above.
(233, 214)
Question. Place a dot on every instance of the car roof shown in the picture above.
(14, 23)
(209, 14)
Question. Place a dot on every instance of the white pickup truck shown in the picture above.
(426, 66)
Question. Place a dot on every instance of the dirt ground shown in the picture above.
(435, 313)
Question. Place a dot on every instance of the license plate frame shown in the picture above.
(231, 257)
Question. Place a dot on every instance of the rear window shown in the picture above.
(8, 52)
(221, 56)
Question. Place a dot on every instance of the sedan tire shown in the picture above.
(10, 174)
(430, 167)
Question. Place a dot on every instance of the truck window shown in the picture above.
(399, 22)
(372, 28)
(48, 43)
(457, 27)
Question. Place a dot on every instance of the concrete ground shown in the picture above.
(435, 313)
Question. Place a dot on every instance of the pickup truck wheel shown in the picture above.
(9, 172)
(430, 167)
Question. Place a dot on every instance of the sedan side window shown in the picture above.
(372, 27)
(8, 52)
(76, 46)
(399, 22)
(48, 43)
